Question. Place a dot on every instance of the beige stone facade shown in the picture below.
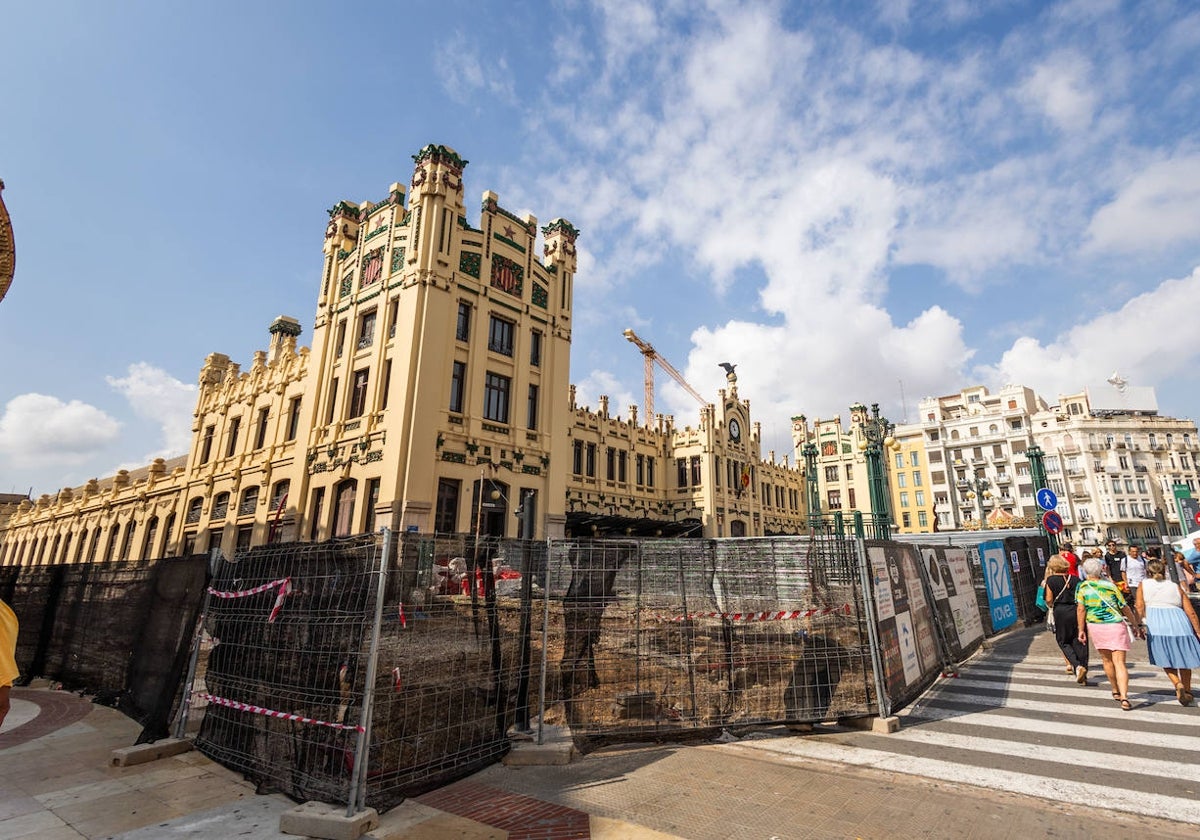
(434, 396)
(842, 479)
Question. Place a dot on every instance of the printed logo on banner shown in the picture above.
(998, 581)
(1041, 557)
(1016, 561)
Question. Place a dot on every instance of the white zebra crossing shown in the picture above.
(1023, 726)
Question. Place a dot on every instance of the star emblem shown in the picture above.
(509, 232)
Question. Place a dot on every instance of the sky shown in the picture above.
(852, 202)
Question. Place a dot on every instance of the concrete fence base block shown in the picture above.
(878, 725)
(329, 822)
(143, 753)
(557, 748)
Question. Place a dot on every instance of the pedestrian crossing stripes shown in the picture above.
(1021, 725)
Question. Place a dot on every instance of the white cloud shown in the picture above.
(1113, 340)
(1158, 207)
(600, 383)
(1058, 88)
(40, 430)
(155, 395)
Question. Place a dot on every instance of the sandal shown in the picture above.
(1125, 706)
(1116, 695)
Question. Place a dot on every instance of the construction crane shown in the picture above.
(650, 356)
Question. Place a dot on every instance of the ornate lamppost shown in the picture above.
(1037, 471)
(877, 436)
(809, 451)
(978, 492)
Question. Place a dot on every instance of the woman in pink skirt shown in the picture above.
(1100, 607)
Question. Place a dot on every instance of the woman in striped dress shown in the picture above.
(1172, 628)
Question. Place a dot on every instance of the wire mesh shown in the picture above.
(281, 686)
(659, 637)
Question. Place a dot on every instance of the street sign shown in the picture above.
(1052, 522)
(1046, 499)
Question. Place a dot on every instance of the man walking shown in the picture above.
(1133, 570)
(1114, 559)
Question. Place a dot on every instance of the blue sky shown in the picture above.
(850, 201)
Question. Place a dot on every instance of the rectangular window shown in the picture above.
(610, 463)
(293, 418)
(906, 519)
(445, 520)
(495, 397)
(260, 437)
(366, 330)
(206, 447)
(340, 341)
(591, 460)
(901, 480)
(314, 527)
(372, 500)
(904, 500)
(243, 537)
(393, 313)
(681, 474)
(850, 498)
(899, 460)
(531, 421)
(650, 471)
(500, 336)
(577, 457)
(332, 412)
(358, 397)
(640, 470)
(387, 383)
(622, 466)
(914, 458)
(458, 381)
(831, 473)
(916, 479)
(696, 471)
(922, 519)
(920, 498)
(462, 332)
(535, 349)
(235, 426)
(834, 500)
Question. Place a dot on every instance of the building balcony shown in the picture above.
(1079, 491)
(979, 462)
(1003, 479)
(1000, 459)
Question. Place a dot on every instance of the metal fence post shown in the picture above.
(358, 779)
(185, 702)
(546, 589)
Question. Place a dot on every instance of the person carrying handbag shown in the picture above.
(1101, 613)
(1060, 587)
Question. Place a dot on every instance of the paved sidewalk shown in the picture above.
(56, 782)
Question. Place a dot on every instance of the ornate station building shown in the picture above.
(434, 398)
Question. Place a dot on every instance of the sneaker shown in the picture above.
(1081, 675)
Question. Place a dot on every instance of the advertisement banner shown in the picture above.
(998, 581)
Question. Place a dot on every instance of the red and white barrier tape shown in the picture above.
(259, 710)
(771, 615)
(283, 584)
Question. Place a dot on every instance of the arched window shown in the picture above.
(110, 547)
(126, 541)
(249, 501)
(343, 523)
(737, 528)
(195, 508)
(148, 540)
(279, 493)
(165, 549)
(95, 546)
(220, 506)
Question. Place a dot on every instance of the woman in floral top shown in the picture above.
(1100, 607)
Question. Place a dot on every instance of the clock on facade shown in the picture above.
(735, 430)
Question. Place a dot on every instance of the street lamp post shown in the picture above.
(1037, 471)
(877, 436)
(809, 451)
(979, 492)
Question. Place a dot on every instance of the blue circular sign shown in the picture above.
(1052, 522)
(1046, 499)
